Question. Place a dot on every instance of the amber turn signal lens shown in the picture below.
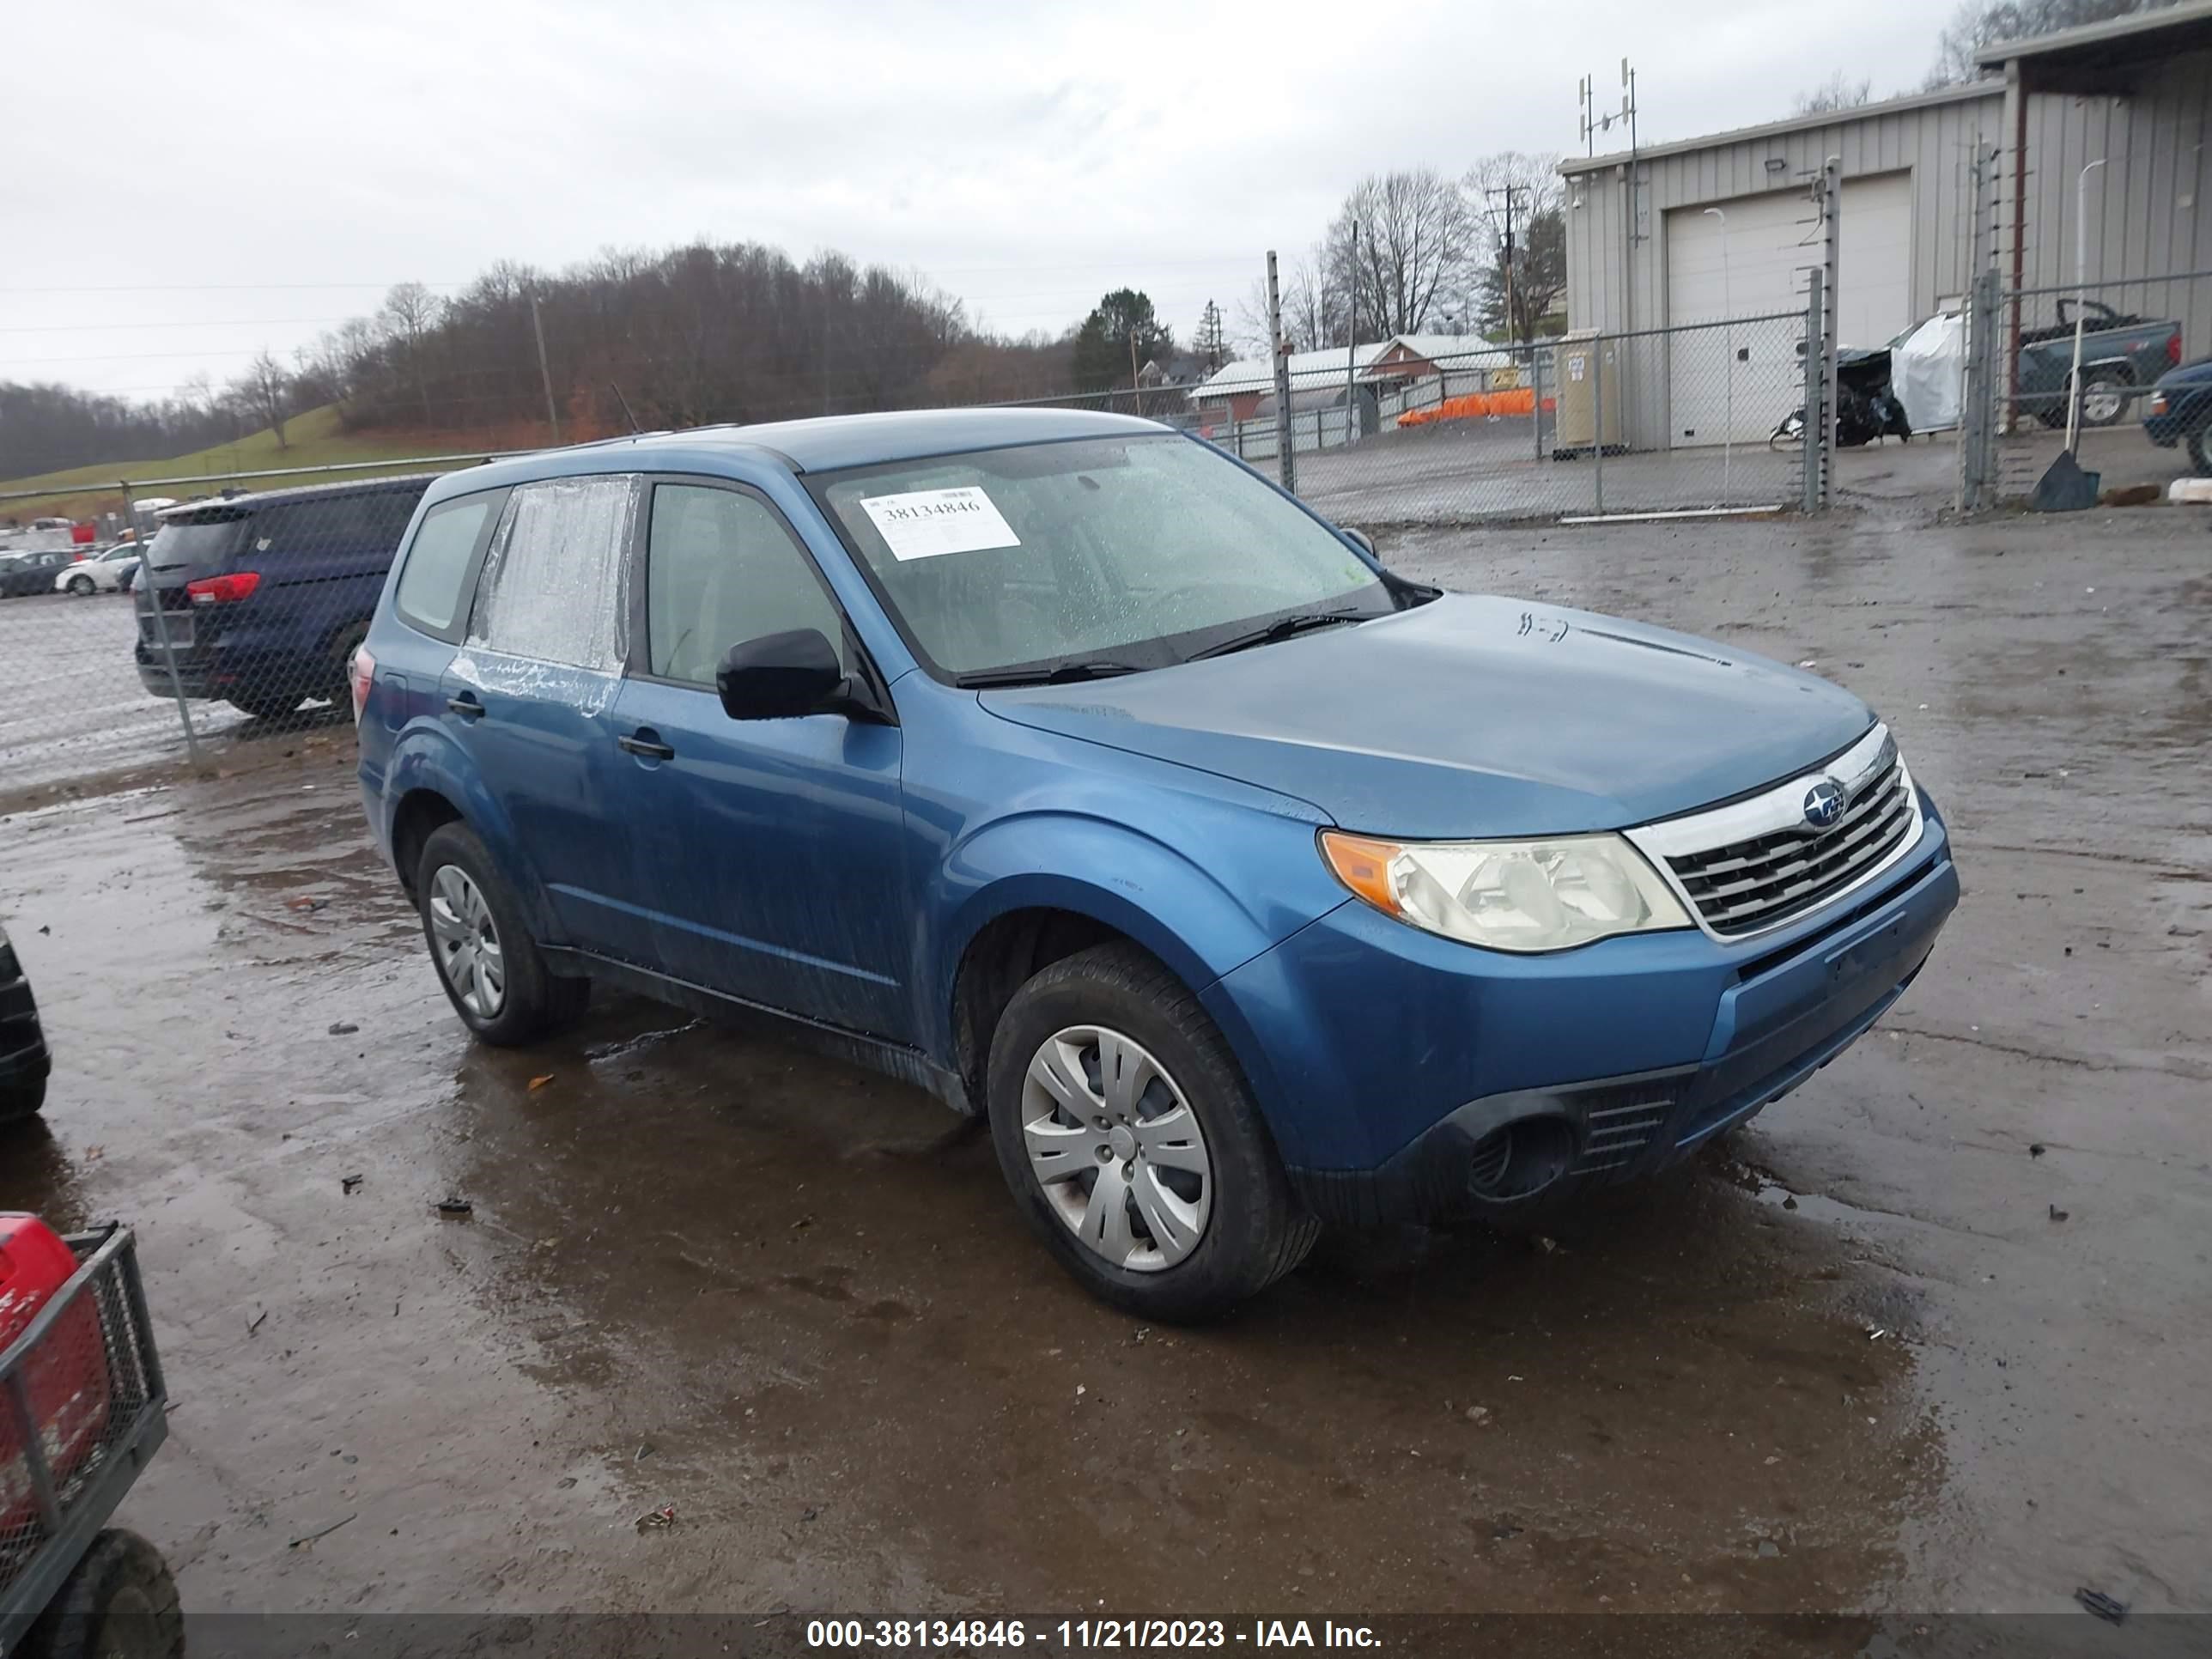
(1364, 865)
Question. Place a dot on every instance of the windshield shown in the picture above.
(1143, 550)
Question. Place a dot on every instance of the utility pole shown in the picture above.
(1513, 329)
(1352, 332)
(1286, 464)
(545, 374)
(1136, 384)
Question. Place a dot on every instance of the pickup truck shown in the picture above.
(2122, 356)
(2180, 413)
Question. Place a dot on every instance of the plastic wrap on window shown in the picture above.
(556, 586)
(552, 618)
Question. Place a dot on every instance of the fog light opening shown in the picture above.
(1519, 1160)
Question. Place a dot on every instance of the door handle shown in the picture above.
(466, 707)
(646, 742)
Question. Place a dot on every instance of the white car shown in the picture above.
(102, 572)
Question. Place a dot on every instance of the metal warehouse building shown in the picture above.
(1643, 252)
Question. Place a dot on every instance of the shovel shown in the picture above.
(2064, 486)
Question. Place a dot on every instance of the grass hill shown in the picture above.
(313, 438)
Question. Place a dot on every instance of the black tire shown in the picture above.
(1256, 1231)
(119, 1602)
(82, 587)
(22, 1101)
(265, 705)
(2200, 451)
(344, 643)
(533, 1002)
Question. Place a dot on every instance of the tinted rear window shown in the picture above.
(195, 542)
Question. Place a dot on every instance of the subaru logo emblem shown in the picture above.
(1824, 803)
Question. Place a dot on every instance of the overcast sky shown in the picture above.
(181, 185)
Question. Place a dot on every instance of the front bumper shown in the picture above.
(1410, 1078)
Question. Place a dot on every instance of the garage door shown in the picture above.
(1753, 264)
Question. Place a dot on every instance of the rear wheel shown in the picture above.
(2200, 451)
(494, 974)
(344, 643)
(2104, 400)
(1132, 1142)
(120, 1603)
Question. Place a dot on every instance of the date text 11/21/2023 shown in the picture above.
(1084, 1633)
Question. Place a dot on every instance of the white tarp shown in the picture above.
(1927, 373)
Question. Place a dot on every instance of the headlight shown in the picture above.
(1509, 895)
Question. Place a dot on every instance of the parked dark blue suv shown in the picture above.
(263, 597)
(1064, 765)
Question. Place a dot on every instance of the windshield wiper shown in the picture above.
(1281, 628)
(1083, 668)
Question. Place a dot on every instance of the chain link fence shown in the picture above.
(166, 615)
(159, 620)
(1702, 418)
(2022, 389)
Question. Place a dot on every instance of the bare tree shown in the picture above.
(411, 312)
(1978, 23)
(264, 390)
(1838, 92)
(1401, 245)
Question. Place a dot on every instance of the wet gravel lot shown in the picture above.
(1858, 1361)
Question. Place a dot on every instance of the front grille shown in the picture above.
(1746, 885)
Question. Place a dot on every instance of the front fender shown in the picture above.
(425, 756)
(1141, 886)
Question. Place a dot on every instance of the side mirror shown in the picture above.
(1363, 539)
(779, 676)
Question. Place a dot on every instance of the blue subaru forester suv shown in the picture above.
(1065, 766)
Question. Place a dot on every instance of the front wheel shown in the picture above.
(82, 586)
(120, 1602)
(494, 974)
(1132, 1142)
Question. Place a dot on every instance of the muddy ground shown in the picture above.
(1885, 1356)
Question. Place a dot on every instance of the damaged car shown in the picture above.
(1062, 764)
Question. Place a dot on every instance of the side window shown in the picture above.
(389, 512)
(721, 568)
(555, 584)
(429, 591)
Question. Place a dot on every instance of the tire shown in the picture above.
(82, 587)
(120, 1601)
(344, 643)
(21, 1102)
(266, 705)
(1245, 1229)
(2109, 390)
(505, 994)
(2200, 451)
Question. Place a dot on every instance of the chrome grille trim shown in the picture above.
(1755, 864)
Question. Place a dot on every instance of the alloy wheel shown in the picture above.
(468, 948)
(1116, 1147)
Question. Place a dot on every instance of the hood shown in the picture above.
(2195, 374)
(1470, 717)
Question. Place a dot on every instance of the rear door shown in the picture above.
(772, 852)
(527, 697)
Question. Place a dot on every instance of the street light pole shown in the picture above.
(1727, 345)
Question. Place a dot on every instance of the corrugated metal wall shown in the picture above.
(1933, 138)
(2149, 214)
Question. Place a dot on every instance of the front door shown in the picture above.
(772, 850)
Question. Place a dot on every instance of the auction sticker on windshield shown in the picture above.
(924, 523)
